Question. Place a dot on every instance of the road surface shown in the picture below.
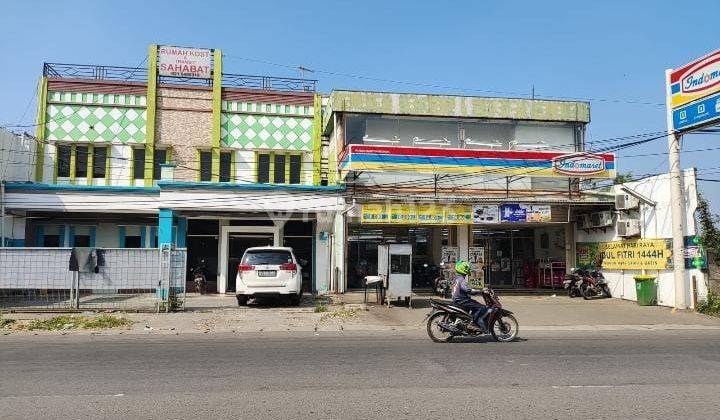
(659, 374)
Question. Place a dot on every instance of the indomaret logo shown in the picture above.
(579, 164)
(702, 77)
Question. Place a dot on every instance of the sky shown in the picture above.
(610, 53)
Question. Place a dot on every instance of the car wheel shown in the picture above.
(242, 300)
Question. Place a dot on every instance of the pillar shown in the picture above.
(165, 227)
(463, 241)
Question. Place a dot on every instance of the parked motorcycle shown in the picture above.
(573, 281)
(199, 278)
(447, 320)
(593, 285)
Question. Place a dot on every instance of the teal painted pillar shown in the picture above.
(93, 234)
(165, 227)
(143, 232)
(39, 235)
(181, 232)
(71, 236)
(121, 237)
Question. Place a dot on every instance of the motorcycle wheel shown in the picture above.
(586, 292)
(572, 292)
(437, 333)
(504, 328)
(606, 290)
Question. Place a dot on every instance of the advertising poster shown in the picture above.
(539, 214)
(638, 254)
(483, 214)
(513, 213)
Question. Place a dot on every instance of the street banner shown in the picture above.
(486, 214)
(637, 254)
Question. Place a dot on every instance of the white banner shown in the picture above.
(184, 62)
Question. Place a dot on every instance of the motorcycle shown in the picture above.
(447, 321)
(573, 281)
(199, 278)
(593, 285)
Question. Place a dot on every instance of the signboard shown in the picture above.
(522, 213)
(579, 164)
(184, 62)
(695, 255)
(695, 92)
(486, 214)
(638, 254)
(412, 214)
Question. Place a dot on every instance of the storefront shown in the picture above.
(510, 245)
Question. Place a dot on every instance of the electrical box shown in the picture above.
(628, 228)
(582, 221)
(601, 219)
(625, 201)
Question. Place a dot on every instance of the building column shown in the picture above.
(165, 227)
(150, 106)
(570, 247)
(463, 241)
(216, 115)
(181, 240)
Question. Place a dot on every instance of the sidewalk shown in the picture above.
(213, 313)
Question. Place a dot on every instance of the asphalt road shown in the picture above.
(547, 375)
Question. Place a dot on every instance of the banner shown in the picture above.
(184, 62)
(522, 213)
(412, 214)
(638, 254)
(486, 214)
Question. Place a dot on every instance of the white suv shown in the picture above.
(268, 271)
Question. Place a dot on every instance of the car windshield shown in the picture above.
(267, 257)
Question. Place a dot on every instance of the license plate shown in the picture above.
(266, 273)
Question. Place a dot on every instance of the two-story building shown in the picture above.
(228, 160)
(496, 181)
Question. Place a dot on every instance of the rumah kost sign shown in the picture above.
(184, 62)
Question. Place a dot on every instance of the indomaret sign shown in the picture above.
(184, 62)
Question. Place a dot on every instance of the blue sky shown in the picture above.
(613, 53)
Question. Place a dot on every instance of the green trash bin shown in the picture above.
(646, 290)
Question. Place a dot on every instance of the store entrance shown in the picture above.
(237, 244)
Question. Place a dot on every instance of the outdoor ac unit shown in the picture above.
(582, 221)
(626, 202)
(627, 228)
(601, 219)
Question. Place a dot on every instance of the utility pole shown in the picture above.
(677, 202)
(2, 213)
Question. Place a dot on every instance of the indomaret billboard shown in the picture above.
(695, 93)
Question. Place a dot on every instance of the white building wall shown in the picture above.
(120, 162)
(656, 224)
(245, 166)
(17, 157)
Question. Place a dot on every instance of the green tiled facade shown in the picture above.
(91, 117)
(267, 126)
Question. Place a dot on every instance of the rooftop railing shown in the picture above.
(138, 74)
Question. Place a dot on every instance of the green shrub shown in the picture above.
(711, 306)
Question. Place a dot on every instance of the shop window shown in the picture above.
(399, 264)
(263, 169)
(63, 161)
(279, 169)
(225, 167)
(159, 158)
(203, 227)
(81, 161)
(138, 163)
(99, 162)
(205, 166)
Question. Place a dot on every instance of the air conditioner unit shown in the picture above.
(601, 219)
(626, 228)
(626, 202)
(582, 221)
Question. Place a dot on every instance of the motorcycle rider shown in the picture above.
(462, 295)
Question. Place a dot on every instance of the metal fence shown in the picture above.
(125, 279)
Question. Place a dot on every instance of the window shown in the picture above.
(81, 240)
(279, 169)
(225, 166)
(295, 165)
(267, 257)
(159, 157)
(205, 166)
(285, 168)
(399, 264)
(138, 163)
(263, 169)
(63, 161)
(81, 161)
(99, 162)
(132, 242)
(51, 241)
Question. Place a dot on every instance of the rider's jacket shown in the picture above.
(461, 292)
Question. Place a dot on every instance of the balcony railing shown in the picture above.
(138, 74)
